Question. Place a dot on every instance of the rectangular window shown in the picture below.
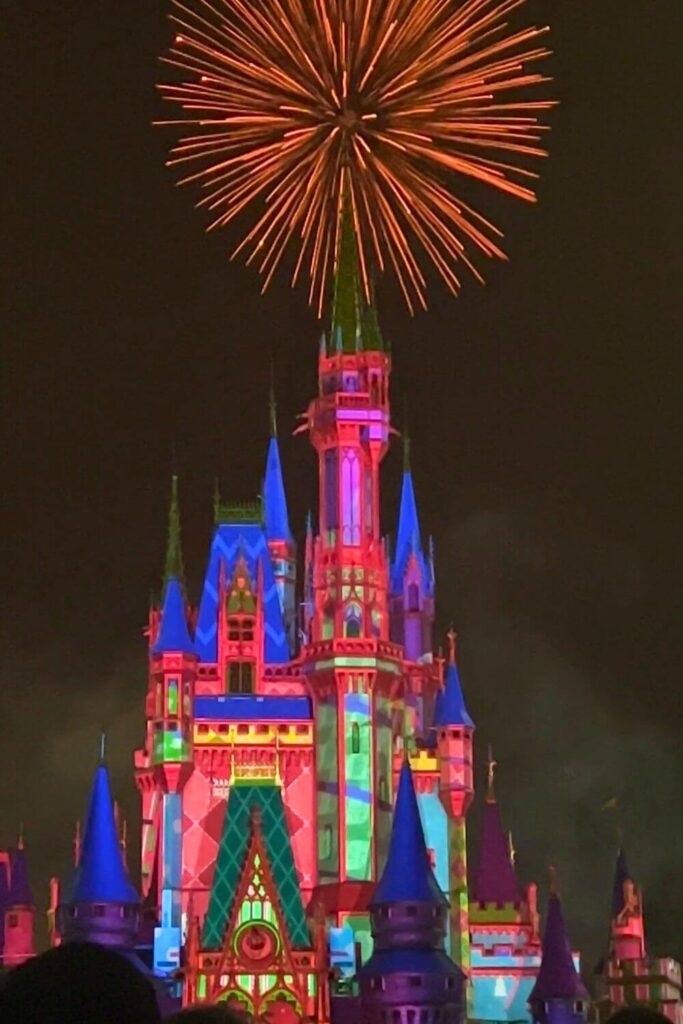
(351, 497)
(241, 677)
(331, 474)
(172, 697)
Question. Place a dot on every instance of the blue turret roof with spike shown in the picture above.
(450, 703)
(407, 875)
(409, 540)
(174, 635)
(354, 325)
(274, 498)
(101, 876)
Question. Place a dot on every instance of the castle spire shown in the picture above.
(101, 876)
(174, 635)
(495, 880)
(354, 321)
(558, 982)
(173, 566)
(450, 703)
(407, 875)
(274, 497)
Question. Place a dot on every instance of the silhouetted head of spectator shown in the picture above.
(209, 1015)
(78, 983)
(638, 1015)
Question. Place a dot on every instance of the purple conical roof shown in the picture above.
(557, 977)
(20, 894)
(495, 880)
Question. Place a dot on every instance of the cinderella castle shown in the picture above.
(307, 771)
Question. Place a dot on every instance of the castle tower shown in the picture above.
(454, 731)
(276, 524)
(16, 908)
(505, 944)
(412, 576)
(559, 995)
(100, 904)
(409, 977)
(629, 975)
(172, 679)
(352, 667)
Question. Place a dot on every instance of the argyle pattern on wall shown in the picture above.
(231, 859)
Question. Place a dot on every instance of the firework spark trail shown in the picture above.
(297, 106)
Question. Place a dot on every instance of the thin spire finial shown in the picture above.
(173, 567)
(103, 746)
(511, 849)
(491, 765)
(272, 404)
(452, 638)
(20, 837)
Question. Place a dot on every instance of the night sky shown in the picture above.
(543, 409)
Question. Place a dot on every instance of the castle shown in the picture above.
(307, 771)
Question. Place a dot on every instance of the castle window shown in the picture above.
(355, 738)
(350, 497)
(331, 470)
(241, 677)
(415, 980)
(450, 982)
(413, 598)
(352, 621)
(241, 629)
(172, 697)
(12, 920)
(326, 842)
(99, 910)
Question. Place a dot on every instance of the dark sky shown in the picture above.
(544, 410)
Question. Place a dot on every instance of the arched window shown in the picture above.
(355, 738)
(351, 497)
(413, 597)
(353, 621)
(376, 621)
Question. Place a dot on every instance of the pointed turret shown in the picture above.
(408, 539)
(174, 635)
(173, 565)
(411, 576)
(450, 703)
(495, 880)
(354, 321)
(559, 995)
(408, 965)
(407, 875)
(16, 907)
(101, 904)
(274, 498)
(628, 926)
(20, 893)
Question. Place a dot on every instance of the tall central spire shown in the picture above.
(173, 567)
(354, 323)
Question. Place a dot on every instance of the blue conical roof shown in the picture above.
(101, 876)
(409, 540)
(450, 707)
(557, 977)
(173, 632)
(274, 498)
(407, 875)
